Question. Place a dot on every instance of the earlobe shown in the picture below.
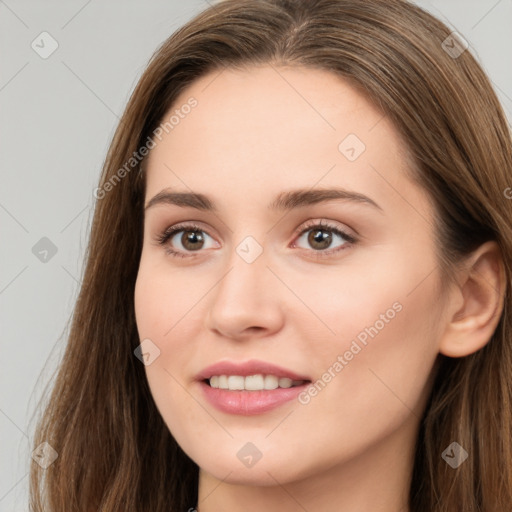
(482, 287)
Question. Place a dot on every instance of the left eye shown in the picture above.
(320, 237)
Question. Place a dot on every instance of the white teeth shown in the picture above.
(256, 382)
(235, 382)
(285, 383)
(271, 382)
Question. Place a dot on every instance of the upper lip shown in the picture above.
(252, 367)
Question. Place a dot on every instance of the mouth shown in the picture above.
(250, 387)
(248, 402)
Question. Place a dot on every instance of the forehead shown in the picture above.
(265, 129)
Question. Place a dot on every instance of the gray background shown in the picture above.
(57, 118)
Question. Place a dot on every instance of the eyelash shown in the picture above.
(168, 233)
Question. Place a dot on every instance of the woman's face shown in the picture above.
(353, 306)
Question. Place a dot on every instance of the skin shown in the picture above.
(254, 134)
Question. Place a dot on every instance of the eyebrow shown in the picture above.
(287, 200)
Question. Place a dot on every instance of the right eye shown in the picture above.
(191, 240)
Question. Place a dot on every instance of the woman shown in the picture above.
(297, 291)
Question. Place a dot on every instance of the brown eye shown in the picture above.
(319, 239)
(322, 236)
(192, 240)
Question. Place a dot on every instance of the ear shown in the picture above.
(477, 310)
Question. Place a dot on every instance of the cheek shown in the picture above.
(165, 313)
(372, 340)
(163, 299)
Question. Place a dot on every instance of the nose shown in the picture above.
(246, 303)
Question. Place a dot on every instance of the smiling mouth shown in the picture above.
(257, 382)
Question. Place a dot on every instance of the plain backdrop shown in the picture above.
(58, 114)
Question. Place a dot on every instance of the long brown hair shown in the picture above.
(114, 450)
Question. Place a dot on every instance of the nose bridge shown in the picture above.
(247, 265)
(245, 297)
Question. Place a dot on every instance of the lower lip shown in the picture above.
(248, 403)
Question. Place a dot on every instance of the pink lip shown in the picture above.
(252, 367)
(248, 403)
